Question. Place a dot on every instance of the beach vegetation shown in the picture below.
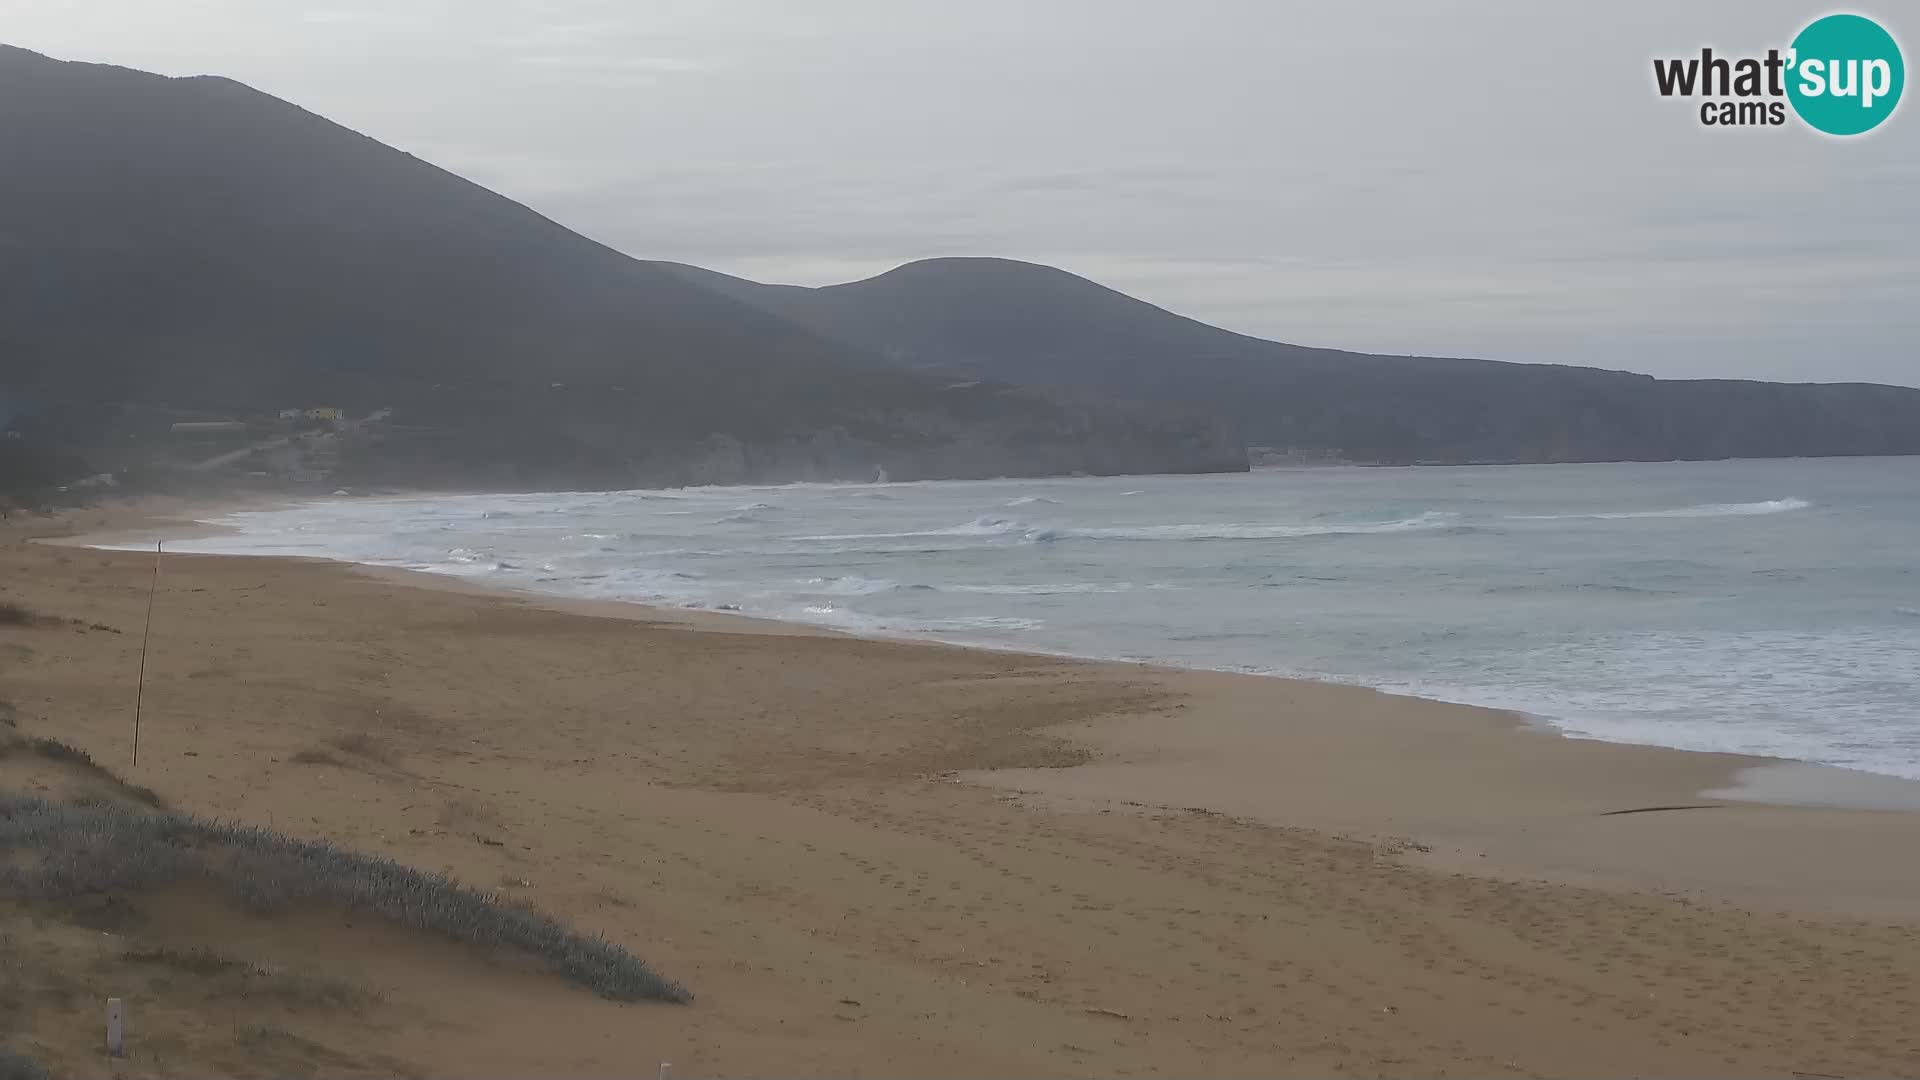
(253, 981)
(56, 751)
(20, 1067)
(52, 853)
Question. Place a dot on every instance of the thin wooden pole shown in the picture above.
(140, 692)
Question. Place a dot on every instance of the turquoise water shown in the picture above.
(1764, 607)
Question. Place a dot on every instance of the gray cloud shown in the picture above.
(1490, 179)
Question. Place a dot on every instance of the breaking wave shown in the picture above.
(991, 526)
(853, 585)
(1433, 519)
(1704, 510)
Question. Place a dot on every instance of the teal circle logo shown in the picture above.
(1845, 74)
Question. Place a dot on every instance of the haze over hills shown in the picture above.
(197, 246)
(183, 249)
(1021, 322)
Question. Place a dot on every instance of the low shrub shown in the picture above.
(20, 1067)
(80, 850)
(253, 981)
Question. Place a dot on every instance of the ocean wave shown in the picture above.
(1431, 520)
(860, 622)
(1051, 588)
(1031, 500)
(968, 624)
(1704, 510)
(981, 526)
(991, 526)
(853, 585)
(1618, 589)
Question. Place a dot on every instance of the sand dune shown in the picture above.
(881, 859)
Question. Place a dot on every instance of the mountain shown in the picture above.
(192, 247)
(1036, 325)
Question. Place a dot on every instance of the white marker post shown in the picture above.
(666, 1070)
(116, 1027)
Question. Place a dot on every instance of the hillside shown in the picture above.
(1019, 322)
(195, 246)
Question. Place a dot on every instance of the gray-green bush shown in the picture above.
(20, 1067)
(81, 850)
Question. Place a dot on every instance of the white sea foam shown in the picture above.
(1050, 588)
(1704, 510)
(991, 527)
(854, 586)
(982, 526)
(1435, 519)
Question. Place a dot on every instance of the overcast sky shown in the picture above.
(1475, 179)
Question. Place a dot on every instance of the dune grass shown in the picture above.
(20, 1067)
(72, 851)
(253, 981)
(190, 961)
(55, 750)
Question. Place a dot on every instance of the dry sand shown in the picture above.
(885, 859)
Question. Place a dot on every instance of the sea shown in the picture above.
(1760, 607)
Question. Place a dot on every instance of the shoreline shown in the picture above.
(1746, 778)
(1494, 793)
(885, 858)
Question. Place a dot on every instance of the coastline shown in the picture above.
(1471, 788)
(1744, 777)
(879, 858)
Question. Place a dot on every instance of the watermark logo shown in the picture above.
(1841, 75)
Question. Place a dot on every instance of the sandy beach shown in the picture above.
(873, 858)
